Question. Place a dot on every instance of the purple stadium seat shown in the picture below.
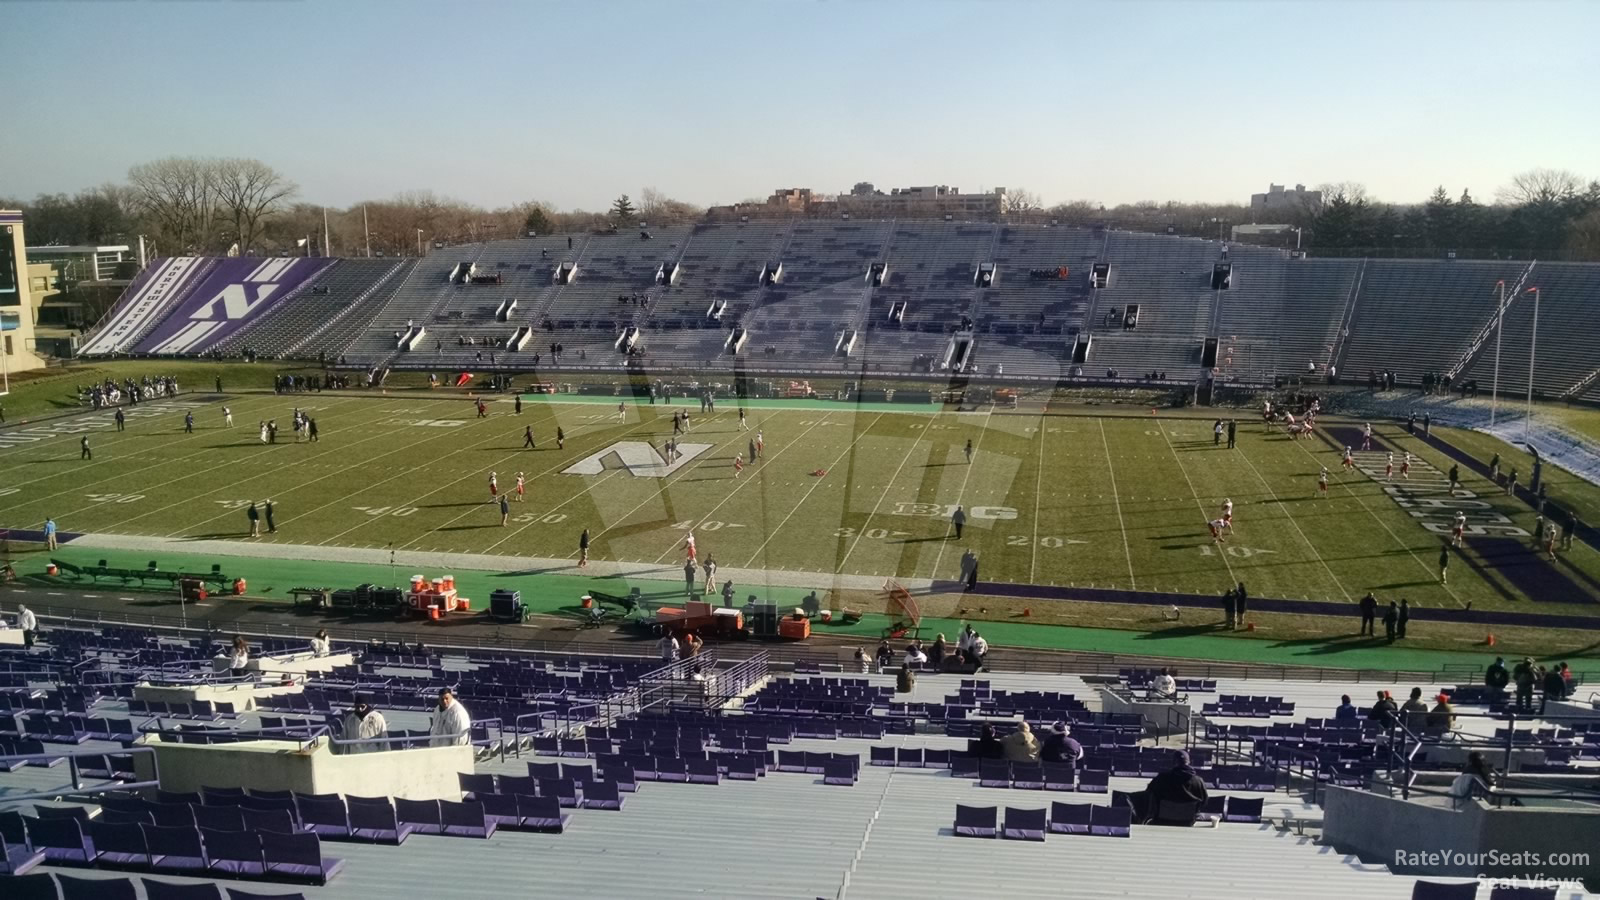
(298, 857)
(743, 767)
(541, 813)
(373, 819)
(963, 765)
(881, 756)
(671, 769)
(994, 773)
(1215, 805)
(216, 796)
(936, 759)
(236, 894)
(422, 815)
(1111, 821)
(167, 890)
(119, 845)
(1070, 818)
(32, 887)
(1243, 809)
(277, 820)
(908, 757)
(519, 784)
(172, 815)
(1433, 890)
(17, 859)
(544, 770)
(62, 840)
(97, 888)
(323, 815)
(602, 795)
(233, 854)
(1060, 776)
(175, 851)
(975, 821)
(791, 761)
(465, 819)
(219, 818)
(703, 771)
(1024, 824)
(501, 810)
(473, 784)
(622, 776)
(563, 790)
(1093, 782)
(192, 798)
(839, 771)
(1028, 776)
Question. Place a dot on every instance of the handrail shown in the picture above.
(77, 786)
(1274, 750)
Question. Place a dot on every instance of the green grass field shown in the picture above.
(1056, 499)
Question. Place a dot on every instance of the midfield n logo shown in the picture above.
(638, 457)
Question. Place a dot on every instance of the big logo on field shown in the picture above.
(639, 458)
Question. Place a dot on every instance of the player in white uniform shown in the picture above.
(688, 546)
(1349, 460)
(227, 417)
(1227, 514)
(521, 486)
(1366, 436)
(1405, 466)
(1458, 528)
(494, 485)
(1322, 482)
(1216, 530)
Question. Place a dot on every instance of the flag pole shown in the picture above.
(326, 250)
(366, 230)
(1533, 347)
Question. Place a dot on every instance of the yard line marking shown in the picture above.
(1296, 523)
(147, 488)
(1117, 501)
(705, 518)
(1379, 519)
(962, 491)
(888, 486)
(1192, 492)
(816, 484)
(1038, 475)
(412, 502)
(368, 461)
(79, 485)
(555, 468)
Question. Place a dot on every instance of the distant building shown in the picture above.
(793, 199)
(936, 200)
(17, 306)
(87, 262)
(1276, 204)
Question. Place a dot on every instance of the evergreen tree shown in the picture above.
(622, 211)
(538, 222)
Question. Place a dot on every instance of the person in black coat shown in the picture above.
(988, 745)
(1180, 786)
(1497, 676)
(1402, 618)
(1391, 617)
(1369, 614)
(1384, 711)
(1241, 600)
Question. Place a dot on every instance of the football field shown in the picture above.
(1118, 500)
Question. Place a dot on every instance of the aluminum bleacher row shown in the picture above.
(1412, 316)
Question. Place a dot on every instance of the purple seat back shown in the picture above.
(167, 890)
(975, 821)
(1111, 820)
(275, 820)
(118, 844)
(420, 814)
(1433, 890)
(219, 818)
(1070, 818)
(175, 849)
(61, 839)
(1025, 824)
(519, 784)
(97, 888)
(294, 855)
(233, 852)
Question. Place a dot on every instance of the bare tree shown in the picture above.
(1540, 187)
(1349, 191)
(249, 192)
(657, 208)
(1022, 200)
(177, 197)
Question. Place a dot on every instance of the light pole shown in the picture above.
(1533, 347)
(1499, 326)
(419, 242)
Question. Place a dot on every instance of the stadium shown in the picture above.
(835, 548)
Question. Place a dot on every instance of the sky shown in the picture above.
(573, 103)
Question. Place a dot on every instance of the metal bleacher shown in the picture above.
(1279, 313)
(1170, 280)
(342, 293)
(1568, 349)
(1414, 316)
